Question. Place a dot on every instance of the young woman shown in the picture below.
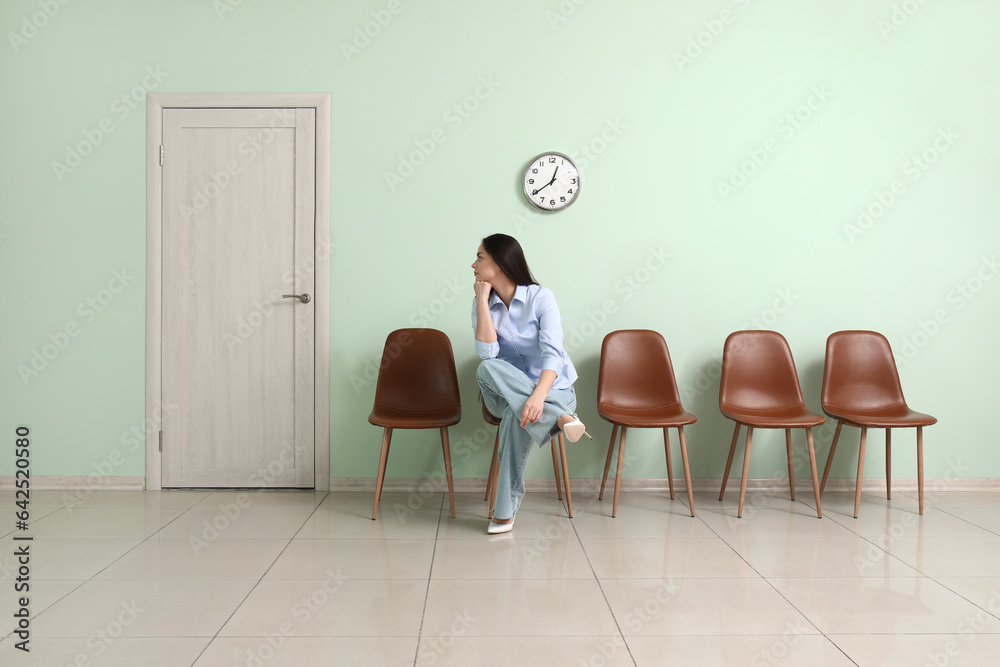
(526, 376)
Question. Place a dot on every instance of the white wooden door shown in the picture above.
(238, 212)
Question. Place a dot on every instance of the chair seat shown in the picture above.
(387, 416)
(658, 417)
(489, 418)
(792, 417)
(896, 416)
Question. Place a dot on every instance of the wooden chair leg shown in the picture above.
(447, 468)
(493, 465)
(888, 464)
(670, 468)
(607, 462)
(555, 467)
(920, 467)
(812, 469)
(618, 475)
(729, 461)
(565, 470)
(746, 470)
(791, 466)
(829, 457)
(383, 459)
(687, 469)
(493, 486)
(861, 471)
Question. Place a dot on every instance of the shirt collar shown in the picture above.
(520, 294)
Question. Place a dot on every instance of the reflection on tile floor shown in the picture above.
(287, 578)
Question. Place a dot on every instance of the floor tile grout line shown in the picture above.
(604, 594)
(98, 573)
(781, 595)
(254, 587)
(427, 590)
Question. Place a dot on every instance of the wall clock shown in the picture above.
(551, 181)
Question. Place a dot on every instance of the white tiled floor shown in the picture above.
(308, 579)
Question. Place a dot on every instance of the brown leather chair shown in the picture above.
(861, 388)
(636, 388)
(417, 388)
(760, 389)
(491, 479)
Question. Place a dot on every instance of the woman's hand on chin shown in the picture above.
(482, 289)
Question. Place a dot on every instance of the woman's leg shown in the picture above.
(505, 389)
(515, 448)
(505, 386)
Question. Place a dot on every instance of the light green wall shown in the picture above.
(579, 77)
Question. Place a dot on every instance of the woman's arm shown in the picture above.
(485, 332)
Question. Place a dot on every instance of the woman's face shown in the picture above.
(484, 267)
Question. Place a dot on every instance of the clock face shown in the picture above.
(551, 181)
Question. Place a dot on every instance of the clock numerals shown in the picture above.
(551, 181)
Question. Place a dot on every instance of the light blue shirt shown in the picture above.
(529, 335)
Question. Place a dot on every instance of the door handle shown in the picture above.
(304, 298)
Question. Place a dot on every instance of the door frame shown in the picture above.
(155, 104)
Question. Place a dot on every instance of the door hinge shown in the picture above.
(161, 155)
(161, 441)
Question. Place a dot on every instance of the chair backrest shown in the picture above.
(860, 373)
(758, 373)
(636, 372)
(417, 371)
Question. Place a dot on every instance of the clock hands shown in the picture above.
(551, 181)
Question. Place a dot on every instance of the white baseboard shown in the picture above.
(702, 484)
(474, 485)
(78, 483)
